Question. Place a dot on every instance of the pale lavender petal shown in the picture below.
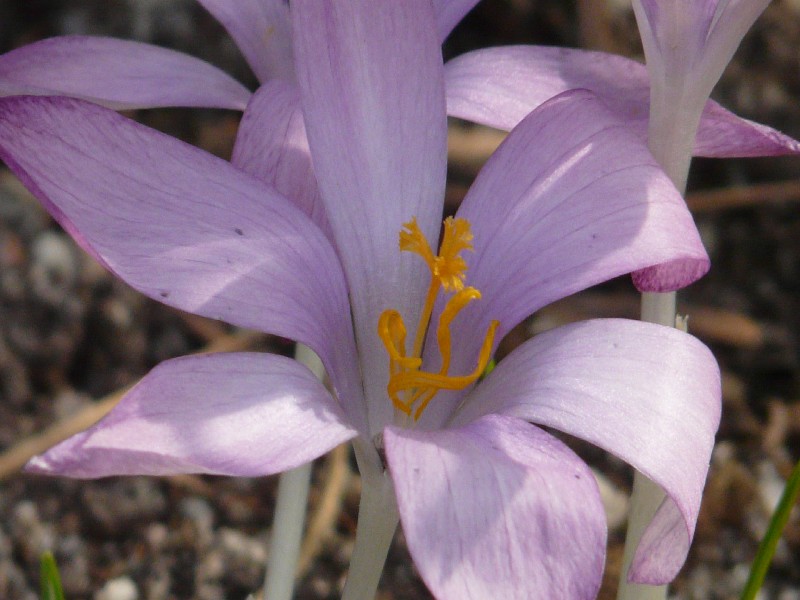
(372, 89)
(182, 226)
(724, 135)
(572, 198)
(119, 74)
(498, 87)
(498, 509)
(263, 31)
(449, 13)
(646, 393)
(241, 414)
(271, 144)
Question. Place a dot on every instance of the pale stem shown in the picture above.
(377, 521)
(646, 496)
(672, 129)
(671, 132)
(290, 512)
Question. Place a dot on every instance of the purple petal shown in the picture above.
(242, 414)
(119, 74)
(449, 13)
(498, 87)
(646, 393)
(271, 144)
(371, 81)
(724, 135)
(571, 198)
(182, 226)
(263, 31)
(498, 509)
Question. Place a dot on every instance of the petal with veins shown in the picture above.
(271, 144)
(377, 129)
(184, 227)
(554, 211)
(119, 74)
(498, 509)
(243, 414)
(646, 393)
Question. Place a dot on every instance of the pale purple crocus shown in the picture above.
(491, 505)
(496, 87)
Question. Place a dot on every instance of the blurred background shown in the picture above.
(71, 337)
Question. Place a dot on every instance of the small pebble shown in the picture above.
(29, 532)
(121, 588)
(54, 268)
(157, 536)
(201, 515)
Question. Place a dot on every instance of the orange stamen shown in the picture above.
(448, 271)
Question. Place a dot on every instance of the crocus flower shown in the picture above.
(490, 504)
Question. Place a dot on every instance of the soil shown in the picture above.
(70, 335)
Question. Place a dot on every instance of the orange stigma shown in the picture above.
(410, 388)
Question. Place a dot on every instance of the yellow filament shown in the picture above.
(427, 309)
(451, 309)
(448, 271)
(392, 332)
(428, 384)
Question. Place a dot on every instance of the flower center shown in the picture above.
(410, 388)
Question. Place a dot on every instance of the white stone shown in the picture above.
(121, 588)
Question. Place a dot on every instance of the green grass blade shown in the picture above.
(50, 580)
(766, 550)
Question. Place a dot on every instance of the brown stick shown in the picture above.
(708, 323)
(469, 148)
(594, 27)
(321, 525)
(745, 196)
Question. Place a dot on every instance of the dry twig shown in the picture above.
(323, 520)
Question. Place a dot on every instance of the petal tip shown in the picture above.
(42, 464)
(671, 276)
